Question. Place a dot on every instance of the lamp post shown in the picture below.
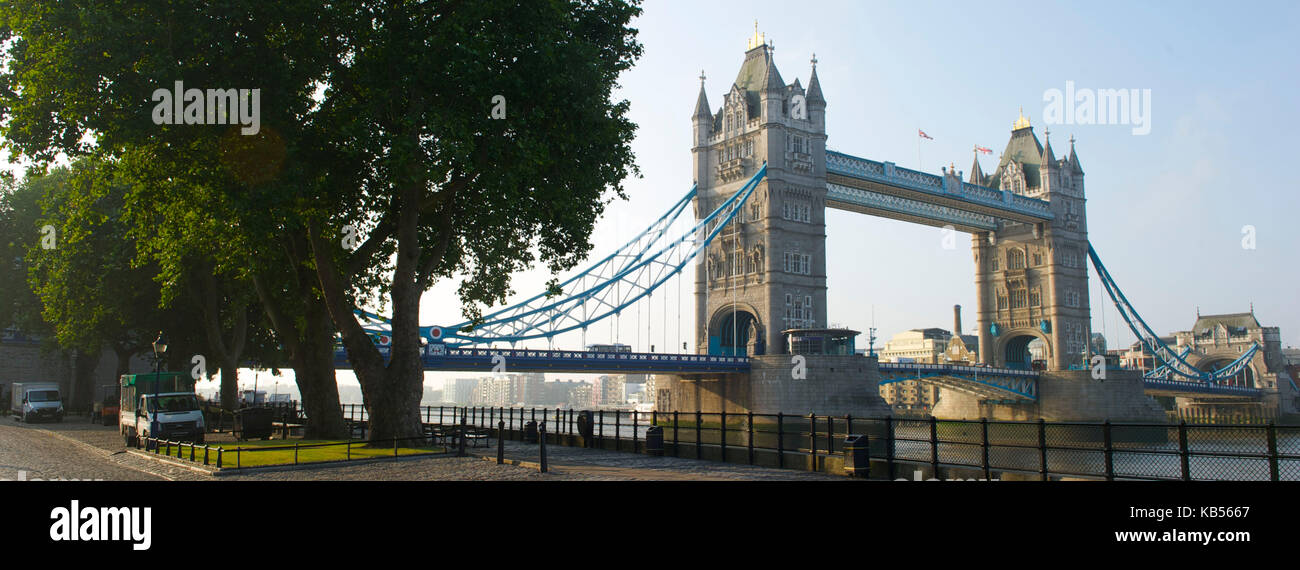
(159, 348)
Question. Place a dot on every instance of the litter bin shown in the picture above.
(654, 441)
(530, 432)
(254, 423)
(857, 456)
(586, 427)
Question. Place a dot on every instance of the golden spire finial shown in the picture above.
(1022, 122)
(758, 39)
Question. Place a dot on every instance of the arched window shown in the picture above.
(1015, 259)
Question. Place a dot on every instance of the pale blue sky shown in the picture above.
(1166, 210)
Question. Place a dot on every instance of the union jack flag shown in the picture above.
(922, 134)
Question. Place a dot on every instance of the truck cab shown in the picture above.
(161, 406)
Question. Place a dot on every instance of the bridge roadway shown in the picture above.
(884, 189)
(1005, 384)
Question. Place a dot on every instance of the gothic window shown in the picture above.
(993, 262)
(1002, 301)
(798, 263)
(1015, 259)
(1034, 299)
(753, 212)
(1038, 259)
(1018, 299)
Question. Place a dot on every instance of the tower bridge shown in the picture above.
(763, 181)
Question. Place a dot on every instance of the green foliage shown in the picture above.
(90, 291)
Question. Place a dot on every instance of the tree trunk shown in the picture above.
(310, 348)
(313, 368)
(393, 391)
(83, 381)
(229, 384)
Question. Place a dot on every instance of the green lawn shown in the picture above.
(273, 452)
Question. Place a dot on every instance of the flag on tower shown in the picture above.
(984, 150)
(922, 134)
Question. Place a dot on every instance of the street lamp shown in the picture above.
(159, 348)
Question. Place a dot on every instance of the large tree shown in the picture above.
(92, 294)
(470, 138)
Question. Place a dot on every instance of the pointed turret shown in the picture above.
(814, 85)
(702, 102)
(977, 173)
(771, 77)
(1074, 159)
(1048, 159)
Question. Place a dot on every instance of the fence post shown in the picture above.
(349, 456)
(676, 448)
(749, 438)
(600, 428)
(1273, 473)
(699, 440)
(295, 453)
(812, 440)
(830, 435)
(1042, 448)
(1183, 454)
(635, 421)
(219, 452)
(238, 460)
(723, 438)
(191, 452)
(780, 440)
(440, 415)
(501, 442)
(541, 432)
(889, 443)
(617, 440)
(1109, 450)
(934, 446)
(206, 449)
(984, 427)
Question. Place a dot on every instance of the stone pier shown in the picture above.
(1064, 396)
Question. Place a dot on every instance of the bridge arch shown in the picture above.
(734, 330)
(1210, 362)
(1012, 348)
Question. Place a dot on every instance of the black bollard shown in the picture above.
(541, 437)
(461, 446)
(501, 442)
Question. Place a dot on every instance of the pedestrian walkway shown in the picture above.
(617, 465)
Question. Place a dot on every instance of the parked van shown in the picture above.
(33, 401)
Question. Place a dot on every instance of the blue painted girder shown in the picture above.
(1021, 385)
(527, 360)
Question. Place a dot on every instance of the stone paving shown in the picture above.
(76, 447)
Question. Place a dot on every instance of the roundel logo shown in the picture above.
(385, 340)
(435, 333)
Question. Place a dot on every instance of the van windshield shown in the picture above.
(43, 396)
(176, 403)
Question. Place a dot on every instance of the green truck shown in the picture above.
(160, 405)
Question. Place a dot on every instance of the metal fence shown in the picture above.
(222, 457)
(1047, 450)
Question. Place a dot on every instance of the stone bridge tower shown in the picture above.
(766, 272)
(1032, 279)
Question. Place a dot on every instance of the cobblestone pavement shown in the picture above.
(98, 449)
(27, 452)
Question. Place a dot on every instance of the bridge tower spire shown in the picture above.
(767, 272)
